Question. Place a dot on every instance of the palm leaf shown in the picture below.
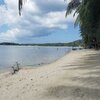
(72, 6)
(20, 4)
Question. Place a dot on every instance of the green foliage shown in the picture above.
(89, 21)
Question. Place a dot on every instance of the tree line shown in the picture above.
(76, 43)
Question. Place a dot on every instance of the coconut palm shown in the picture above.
(88, 19)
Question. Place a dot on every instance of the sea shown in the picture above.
(30, 56)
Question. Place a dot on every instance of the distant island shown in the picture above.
(74, 44)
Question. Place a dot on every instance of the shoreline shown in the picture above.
(8, 69)
(73, 77)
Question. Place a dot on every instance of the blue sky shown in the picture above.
(41, 22)
(1, 1)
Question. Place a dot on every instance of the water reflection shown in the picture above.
(29, 55)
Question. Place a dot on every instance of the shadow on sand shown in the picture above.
(91, 64)
(73, 92)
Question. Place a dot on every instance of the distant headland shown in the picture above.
(74, 43)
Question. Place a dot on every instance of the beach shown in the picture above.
(76, 76)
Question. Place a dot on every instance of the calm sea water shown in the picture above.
(29, 55)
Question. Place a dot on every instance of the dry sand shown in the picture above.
(76, 76)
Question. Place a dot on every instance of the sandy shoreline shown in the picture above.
(75, 76)
(8, 69)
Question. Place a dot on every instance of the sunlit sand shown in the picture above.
(76, 76)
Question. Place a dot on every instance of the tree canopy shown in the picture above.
(88, 19)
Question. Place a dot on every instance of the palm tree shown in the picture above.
(88, 19)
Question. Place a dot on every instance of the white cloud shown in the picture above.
(39, 18)
(10, 35)
(52, 20)
(30, 7)
(68, 1)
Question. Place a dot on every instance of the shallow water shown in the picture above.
(30, 55)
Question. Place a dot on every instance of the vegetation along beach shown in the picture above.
(49, 49)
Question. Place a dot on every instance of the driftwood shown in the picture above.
(15, 68)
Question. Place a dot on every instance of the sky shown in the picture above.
(42, 21)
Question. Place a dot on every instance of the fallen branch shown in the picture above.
(15, 69)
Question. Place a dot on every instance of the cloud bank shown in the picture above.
(39, 18)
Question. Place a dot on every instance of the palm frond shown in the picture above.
(77, 21)
(20, 4)
(72, 6)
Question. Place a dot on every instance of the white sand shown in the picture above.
(76, 76)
